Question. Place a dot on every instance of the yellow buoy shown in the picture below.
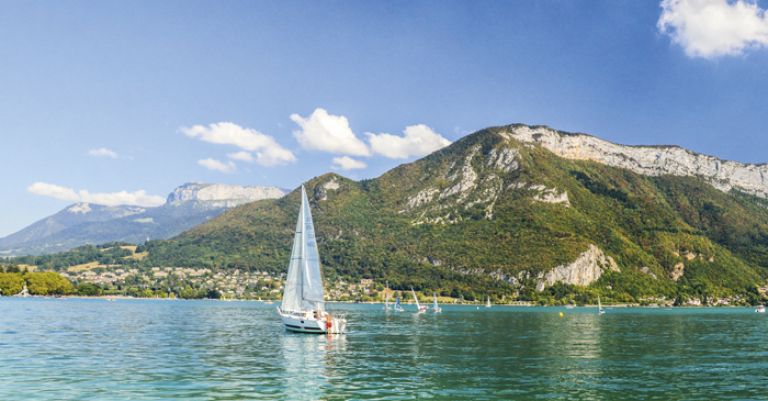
(562, 314)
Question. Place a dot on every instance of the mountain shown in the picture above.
(519, 211)
(87, 223)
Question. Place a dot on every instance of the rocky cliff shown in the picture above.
(648, 160)
(221, 195)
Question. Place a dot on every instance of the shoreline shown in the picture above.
(478, 304)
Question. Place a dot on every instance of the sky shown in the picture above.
(122, 101)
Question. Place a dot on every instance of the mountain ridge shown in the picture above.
(494, 207)
(88, 223)
(649, 160)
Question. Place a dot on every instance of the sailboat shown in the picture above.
(600, 310)
(419, 308)
(24, 292)
(386, 297)
(435, 307)
(488, 302)
(303, 306)
(398, 307)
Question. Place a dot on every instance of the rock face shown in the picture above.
(649, 160)
(220, 195)
(586, 269)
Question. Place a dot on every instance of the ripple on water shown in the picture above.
(202, 350)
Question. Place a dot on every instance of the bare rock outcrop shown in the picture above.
(585, 270)
(649, 160)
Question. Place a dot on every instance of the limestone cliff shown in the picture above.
(649, 160)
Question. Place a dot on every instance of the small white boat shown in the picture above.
(488, 302)
(760, 309)
(435, 307)
(600, 310)
(303, 306)
(419, 308)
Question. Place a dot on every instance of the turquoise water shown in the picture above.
(70, 349)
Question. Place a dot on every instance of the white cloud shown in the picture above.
(712, 28)
(348, 163)
(136, 198)
(103, 152)
(54, 191)
(328, 133)
(213, 164)
(268, 151)
(242, 156)
(417, 140)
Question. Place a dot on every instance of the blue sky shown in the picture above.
(115, 98)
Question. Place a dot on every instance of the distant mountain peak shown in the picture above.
(83, 223)
(221, 195)
(79, 208)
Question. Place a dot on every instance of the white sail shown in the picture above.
(313, 295)
(418, 306)
(303, 290)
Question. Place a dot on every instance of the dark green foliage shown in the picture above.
(48, 283)
(108, 254)
(89, 290)
(11, 283)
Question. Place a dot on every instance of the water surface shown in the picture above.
(74, 349)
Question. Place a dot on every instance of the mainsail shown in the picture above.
(303, 289)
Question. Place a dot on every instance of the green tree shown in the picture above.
(11, 283)
(89, 289)
(48, 283)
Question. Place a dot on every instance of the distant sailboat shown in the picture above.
(419, 308)
(435, 307)
(600, 310)
(398, 307)
(24, 292)
(488, 302)
(303, 307)
(386, 297)
(760, 309)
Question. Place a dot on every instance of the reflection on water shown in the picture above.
(149, 350)
(308, 364)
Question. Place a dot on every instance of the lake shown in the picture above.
(91, 349)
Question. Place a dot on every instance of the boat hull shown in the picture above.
(308, 324)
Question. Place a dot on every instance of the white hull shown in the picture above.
(306, 323)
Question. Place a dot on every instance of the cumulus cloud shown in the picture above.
(328, 133)
(54, 191)
(713, 28)
(268, 152)
(417, 140)
(348, 163)
(103, 152)
(242, 156)
(216, 165)
(136, 198)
